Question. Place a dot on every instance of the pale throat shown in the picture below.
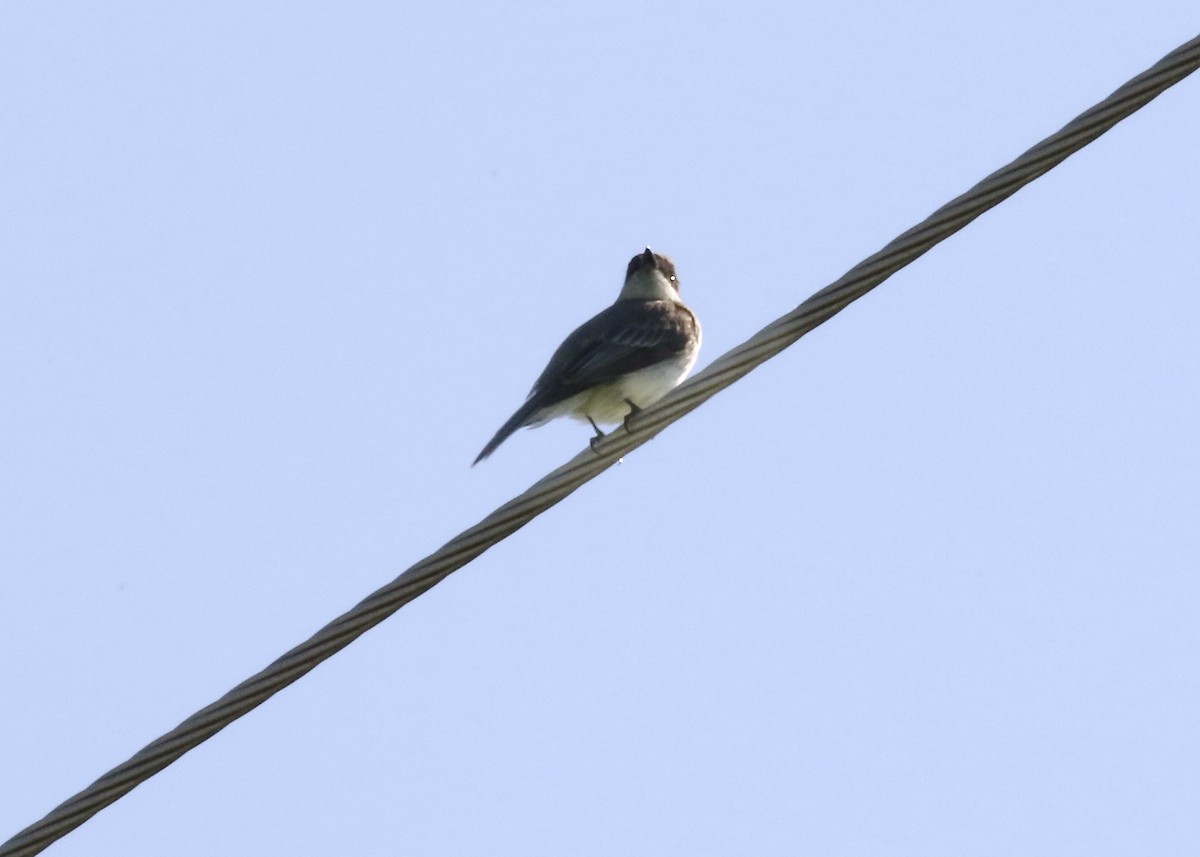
(650, 285)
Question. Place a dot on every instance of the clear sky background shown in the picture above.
(272, 273)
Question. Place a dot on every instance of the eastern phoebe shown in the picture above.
(622, 360)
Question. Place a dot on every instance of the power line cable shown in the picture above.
(590, 463)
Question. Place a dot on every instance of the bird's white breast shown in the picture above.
(607, 402)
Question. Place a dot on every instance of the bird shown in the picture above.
(623, 359)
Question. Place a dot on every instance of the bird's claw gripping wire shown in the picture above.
(599, 436)
(634, 410)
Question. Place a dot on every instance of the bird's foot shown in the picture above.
(634, 410)
(599, 436)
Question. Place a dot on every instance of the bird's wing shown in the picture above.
(628, 336)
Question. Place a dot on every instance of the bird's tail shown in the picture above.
(520, 418)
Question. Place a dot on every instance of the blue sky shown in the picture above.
(273, 273)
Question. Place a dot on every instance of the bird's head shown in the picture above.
(650, 277)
